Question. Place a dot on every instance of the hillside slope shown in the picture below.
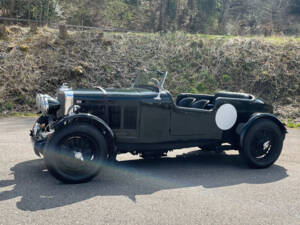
(32, 63)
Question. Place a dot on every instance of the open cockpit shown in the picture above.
(207, 102)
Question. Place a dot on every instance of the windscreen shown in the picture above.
(148, 79)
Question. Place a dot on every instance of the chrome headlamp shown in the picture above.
(46, 104)
(42, 103)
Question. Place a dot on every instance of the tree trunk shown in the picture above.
(221, 19)
(3, 31)
(12, 8)
(162, 15)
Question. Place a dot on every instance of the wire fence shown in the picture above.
(56, 25)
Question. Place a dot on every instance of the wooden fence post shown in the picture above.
(63, 33)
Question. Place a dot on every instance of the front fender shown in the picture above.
(255, 117)
(91, 119)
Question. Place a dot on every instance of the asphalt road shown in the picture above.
(195, 188)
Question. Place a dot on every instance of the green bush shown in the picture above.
(119, 13)
(9, 106)
(226, 78)
(6, 107)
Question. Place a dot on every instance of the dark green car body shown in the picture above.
(81, 130)
(145, 119)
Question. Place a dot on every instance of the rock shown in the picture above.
(78, 70)
(15, 29)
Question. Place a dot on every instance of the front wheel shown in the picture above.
(262, 144)
(75, 153)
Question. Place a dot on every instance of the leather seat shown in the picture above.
(186, 102)
(200, 104)
(231, 95)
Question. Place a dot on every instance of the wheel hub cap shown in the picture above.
(78, 155)
(266, 145)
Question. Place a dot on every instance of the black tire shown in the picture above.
(75, 153)
(262, 144)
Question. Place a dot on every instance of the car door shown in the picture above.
(155, 120)
(194, 123)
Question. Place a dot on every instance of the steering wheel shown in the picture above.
(156, 81)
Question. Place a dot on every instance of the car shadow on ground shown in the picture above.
(38, 190)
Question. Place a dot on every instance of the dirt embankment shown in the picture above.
(40, 61)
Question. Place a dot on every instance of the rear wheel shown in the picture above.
(76, 153)
(262, 144)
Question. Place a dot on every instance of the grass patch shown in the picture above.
(276, 40)
(212, 37)
(292, 124)
(19, 114)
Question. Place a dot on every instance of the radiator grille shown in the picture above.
(61, 99)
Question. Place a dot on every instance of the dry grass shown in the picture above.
(267, 67)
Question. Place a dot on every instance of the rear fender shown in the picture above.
(257, 116)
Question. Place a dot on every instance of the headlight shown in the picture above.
(42, 103)
(46, 104)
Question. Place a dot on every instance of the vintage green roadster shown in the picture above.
(82, 130)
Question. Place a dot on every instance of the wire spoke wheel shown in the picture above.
(262, 144)
(76, 153)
